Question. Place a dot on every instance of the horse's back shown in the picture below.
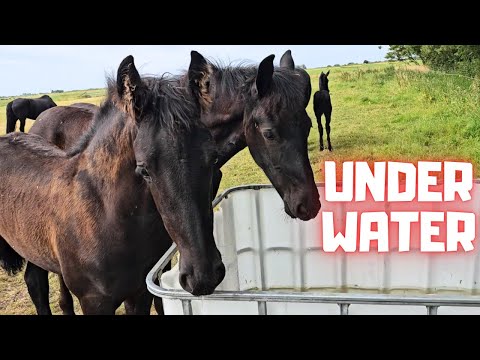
(88, 106)
(63, 125)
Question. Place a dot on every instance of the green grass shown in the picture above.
(381, 111)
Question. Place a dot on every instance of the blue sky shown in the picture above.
(42, 68)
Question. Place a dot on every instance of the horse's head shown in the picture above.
(276, 129)
(323, 81)
(47, 98)
(175, 157)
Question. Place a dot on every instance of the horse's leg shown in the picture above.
(328, 117)
(97, 304)
(22, 125)
(66, 299)
(320, 129)
(11, 118)
(139, 304)
(37, 284)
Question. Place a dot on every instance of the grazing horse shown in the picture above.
(107, 209)
(22, 109)
(236, 100)
(322, 105)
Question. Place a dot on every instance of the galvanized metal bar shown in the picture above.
(432, 310)
(344, 309)
(262, 308)
(187, 307)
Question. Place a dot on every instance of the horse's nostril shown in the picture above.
(302, 211)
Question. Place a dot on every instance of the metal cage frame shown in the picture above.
(343, 300)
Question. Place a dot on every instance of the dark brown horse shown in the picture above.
(64, 125)
(98, 206)
(22, 109)
(280, 106)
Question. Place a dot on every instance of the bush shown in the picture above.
(366, 61)
(57, 91)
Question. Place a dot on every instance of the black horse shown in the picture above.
(322, 105)
(23, 109)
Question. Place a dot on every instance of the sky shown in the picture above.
(42, 68)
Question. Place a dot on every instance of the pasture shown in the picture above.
(381, 111)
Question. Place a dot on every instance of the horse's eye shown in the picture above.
(255, 123)
(142, 171)
(268, 134)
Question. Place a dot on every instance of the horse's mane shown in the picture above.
(232, 77)
(168, 102)
(35, 143)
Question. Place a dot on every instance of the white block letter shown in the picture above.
(331, 241)
(367, 234)
(331, 193)
(404, 219)
(464, 186)
(394, 168)
(427, 230)
(375, 181)
(454, 236)
(425, 180)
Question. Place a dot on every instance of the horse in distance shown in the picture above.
(22, 109)
(322, 105)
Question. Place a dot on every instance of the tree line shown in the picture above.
(464, 59)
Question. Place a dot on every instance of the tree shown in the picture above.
(404, 52)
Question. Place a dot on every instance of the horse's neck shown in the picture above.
(110, 152)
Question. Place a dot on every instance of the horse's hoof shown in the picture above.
(330, 149)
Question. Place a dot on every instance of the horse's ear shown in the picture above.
(322, 73)
(199, 74)
(286, 61)
(328, 73)
(264, 78)
(129, 86)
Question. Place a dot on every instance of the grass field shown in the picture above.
(381, 111)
